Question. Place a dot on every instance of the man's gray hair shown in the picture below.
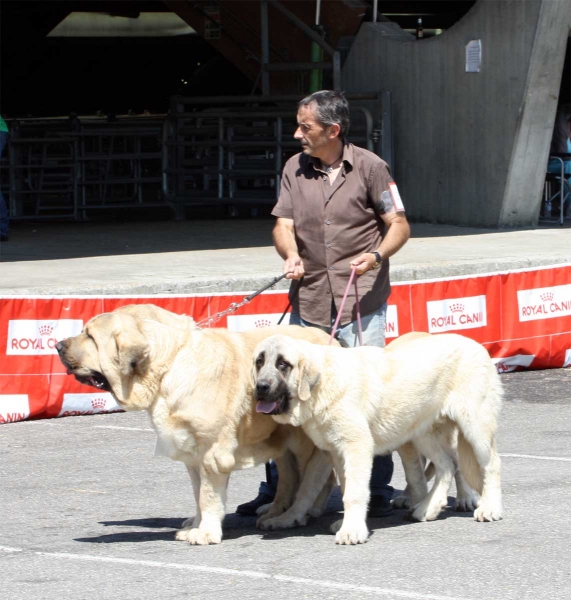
(331, 108)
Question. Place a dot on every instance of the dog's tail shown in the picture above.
(469, 466)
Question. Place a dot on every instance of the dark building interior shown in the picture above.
(50, 76)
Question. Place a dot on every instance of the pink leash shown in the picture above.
(340, 311)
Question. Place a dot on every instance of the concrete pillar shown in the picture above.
(470, 148)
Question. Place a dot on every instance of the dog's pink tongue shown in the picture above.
(265, 407)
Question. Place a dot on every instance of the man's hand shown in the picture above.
(364, 263)
(294, 267)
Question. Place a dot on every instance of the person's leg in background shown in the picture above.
(4, 219)
(266, 492)
(373, 326)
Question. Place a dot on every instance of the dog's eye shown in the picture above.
(282, 365)
(259, 362)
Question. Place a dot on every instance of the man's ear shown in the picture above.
(307, 378)
(334, 130)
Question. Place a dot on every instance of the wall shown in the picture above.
(470, 148)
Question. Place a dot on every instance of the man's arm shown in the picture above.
(396, 236)
(284, 241)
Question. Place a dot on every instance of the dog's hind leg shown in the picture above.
(320, 504)
(466, 498)
(431, 505)
(483, 448)
(416, 488)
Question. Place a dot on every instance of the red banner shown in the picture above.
(523, 318)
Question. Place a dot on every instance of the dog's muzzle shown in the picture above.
(269, 402)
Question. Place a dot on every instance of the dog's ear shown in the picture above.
(133, 350)
(121, 344)
(307, 378)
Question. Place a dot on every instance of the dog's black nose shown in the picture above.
(262, 388)
(59, 346)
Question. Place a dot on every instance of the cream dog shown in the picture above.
(358, 402)
(196, 385)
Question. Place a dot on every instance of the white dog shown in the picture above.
(358, 402)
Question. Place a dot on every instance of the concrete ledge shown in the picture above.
(208, 257)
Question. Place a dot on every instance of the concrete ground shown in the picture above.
(87, 512)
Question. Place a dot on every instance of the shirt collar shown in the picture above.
(348, 158)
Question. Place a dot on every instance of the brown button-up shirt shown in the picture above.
(335, 224)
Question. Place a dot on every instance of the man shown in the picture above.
(338, 208)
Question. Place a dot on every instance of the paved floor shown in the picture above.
(235, 255)
(87, 512)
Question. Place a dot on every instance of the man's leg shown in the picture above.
(373, 329)
(266, 492)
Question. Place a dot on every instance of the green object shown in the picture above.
(3, 126)
(316, 75)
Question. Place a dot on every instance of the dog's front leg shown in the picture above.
(355, 462)
(212, 504)
(195, 479)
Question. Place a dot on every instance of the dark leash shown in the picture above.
(236, 305)
(292, 296)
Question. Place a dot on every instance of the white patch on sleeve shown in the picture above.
(399, 206)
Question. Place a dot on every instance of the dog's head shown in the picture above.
(112, 353)
(284, 377)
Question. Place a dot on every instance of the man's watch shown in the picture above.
(378, 259)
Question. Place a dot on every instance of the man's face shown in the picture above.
(315, 139)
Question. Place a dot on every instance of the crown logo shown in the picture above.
(547, 296)
(45, 329)
(98, 403)
(262, 323)
(457, 307)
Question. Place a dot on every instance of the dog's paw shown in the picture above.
(427, 512)
(355, 534)
(316, 511)
(335, 527)
(467, 503)
(401, 502)
(282, 522)
(488, 513)
(264, 509)
(199, 537)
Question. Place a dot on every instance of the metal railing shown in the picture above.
(205, 152)
(65, 167)
(234, 153)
